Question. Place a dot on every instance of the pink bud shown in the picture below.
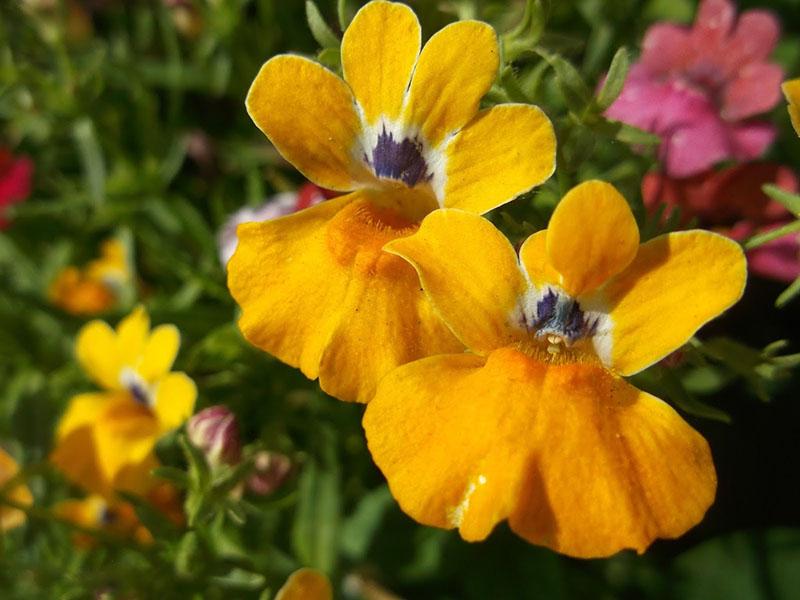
(270, 471)
(215, 431)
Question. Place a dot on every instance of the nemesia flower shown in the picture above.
(20, 494)
(94, 289)
(105, 440)
(697, 88)
(403, 133)
(791, 89)
(306, 584)
(536, 424)
(215, 431)
(732, 202)
(15, 182)
(278, 205)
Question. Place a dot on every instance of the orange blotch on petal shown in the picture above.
(575, 458)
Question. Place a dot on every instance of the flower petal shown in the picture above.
(159, 352)
(751, 139)
(571, 455)
(455, 69)
(174, 400)
(21, 494)
(379, 50)
(591, 237)
(96, 350)
(310, 116)
(533, 256)
(501, 153)
(753, 40)
(677, 283)
(791, 89)
(665, 48)
(331, 297)
(306, 584)
(756, 89)
(132, 334)
(469, 271)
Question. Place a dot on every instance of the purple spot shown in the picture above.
(107, 516)
(561, 315)
(402, 161)
(139, 394)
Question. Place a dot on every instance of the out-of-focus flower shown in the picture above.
(732, 202)
(105, 440)
(536, 424)
(306, 584)
(403, 133)
(791, 90)
(15, 182)
(270, 471)
(94, 289)
(186, 17)
(279, 205)
(116, 517)
(20, 494)
(216, 432)
(697, 88)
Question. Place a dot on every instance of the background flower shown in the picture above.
(15, 181)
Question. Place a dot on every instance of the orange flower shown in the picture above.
(535, 424)
(20, 494)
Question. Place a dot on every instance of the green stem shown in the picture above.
(763, 238)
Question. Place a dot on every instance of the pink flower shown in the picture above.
(697, 88)
(15, 182)
(279, 205)
(731, 202)
(215, 431)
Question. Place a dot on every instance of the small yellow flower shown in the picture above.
(404, 134)
(536, 424)
(94, 289)
(20, 494)
(791, 89)
(105, 440)
(306, 584)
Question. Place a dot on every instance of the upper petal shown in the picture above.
(132, 334)
(469, 271)
(754, 38)
(665, 48)
(309, 114)
(677, 283)
(501, 153)
(755, 89)
(791, 90)
(331, 295)
(174, 400)
(97, 352)
(591, 237)
(533, 257)
(455, 69)
(159, 352)
(306, 584)
(572, 456)
(379, 51)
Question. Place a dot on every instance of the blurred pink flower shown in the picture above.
(278, 205)
(216, 432)
(730, 201)
(696, 87)
(270, 472)
(15, 182)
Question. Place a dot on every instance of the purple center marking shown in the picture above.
(562, 316)
(402, 161)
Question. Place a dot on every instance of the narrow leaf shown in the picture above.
(615, 80)
(319, 28)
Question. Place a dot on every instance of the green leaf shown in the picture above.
(615, 80)
(677, 393)
(360, 528)
(574, 89)
(789, 294)
(789, 200)
(186, 554)
(319, 28)
(91, 155)
(622, 132)
(771, 235)
(315, 532)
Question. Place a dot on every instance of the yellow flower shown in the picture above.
(105, 440)
(791, 89)
(306, 584)
(403, 133)
(20, 494)
(94, 289)
(536, 424)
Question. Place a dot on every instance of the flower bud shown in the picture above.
(215, 431)
(270, 471)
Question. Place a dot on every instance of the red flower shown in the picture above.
(731, 202)
(15, 181)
